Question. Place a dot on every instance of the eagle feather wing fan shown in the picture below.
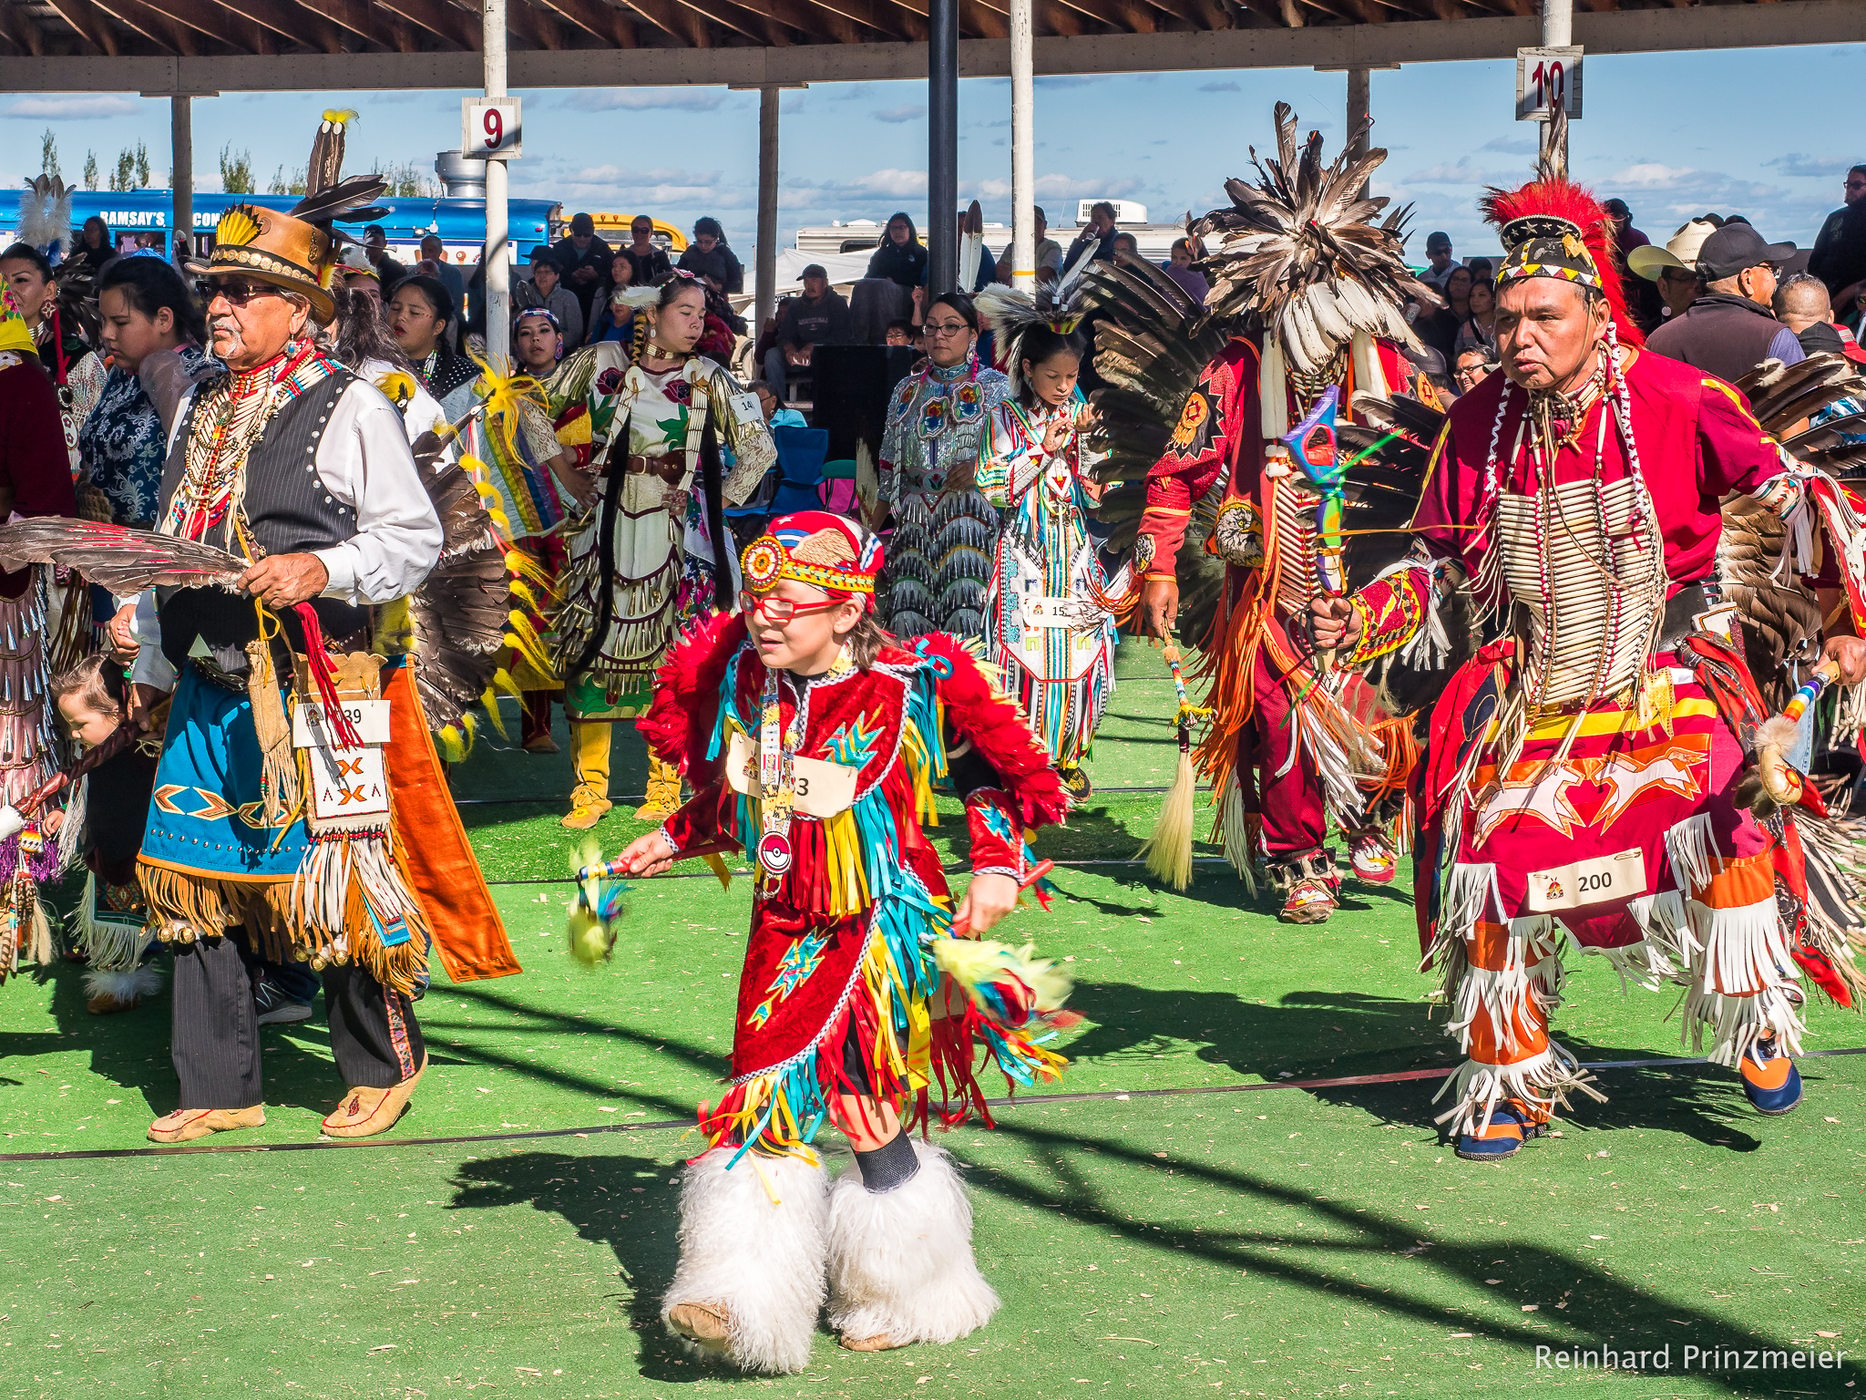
(115, 557)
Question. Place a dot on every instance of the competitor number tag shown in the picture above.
(1603, 880)
(746, 408)
(311, 730)
(822, 788)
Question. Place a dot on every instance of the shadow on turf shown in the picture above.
(131, 1048)
(1579, 1304)
(1319, 1035)
(626, 1204)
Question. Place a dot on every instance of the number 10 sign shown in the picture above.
(1547, 79)
(489, 128)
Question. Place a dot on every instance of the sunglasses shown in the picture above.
(234, 291)
(781, 610)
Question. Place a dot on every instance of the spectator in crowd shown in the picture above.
(616, 320)
(546, 289)
(1439, 329)
(1839, 255)
(711, 257)
(1438, 259)
(94, 248)
(425, 323)
(776, 414)
(1483, 270)
(1179, 267)
(901, 257)
(1673, 269)
(648, 258)
(1096, 240)
(1049, 253)
(1472, 366)
(1126, 243)
(1479, 326)
(899, 333)
(376, 247)
(1643, 298)
(449, 276)
(1731, 329)
(583, 266)
(819, 317)
(1803, 305)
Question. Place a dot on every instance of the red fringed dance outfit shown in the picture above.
(840, 994)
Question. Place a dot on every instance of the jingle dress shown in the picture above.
(645, 559)
(1582, 779)
(939, 560)
(840, 990)
(1047, 627)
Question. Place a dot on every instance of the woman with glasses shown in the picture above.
(945, 531)
(671, 439)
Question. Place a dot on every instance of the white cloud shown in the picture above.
(1227, 85)
(892, 182)
(74, 106)
(897, 115)
(654, 100)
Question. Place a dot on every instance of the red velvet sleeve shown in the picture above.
(982, 715)
(704, 819)
(680, 719)
(33, 460)
(1734, 453)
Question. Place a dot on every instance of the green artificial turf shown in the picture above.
(1275, 1240)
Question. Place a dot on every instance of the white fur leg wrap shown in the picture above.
(900, 1262)
(123, 987)
(752, 1245)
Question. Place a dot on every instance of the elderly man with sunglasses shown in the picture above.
(291, 461)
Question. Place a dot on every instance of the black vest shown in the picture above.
(286, 509)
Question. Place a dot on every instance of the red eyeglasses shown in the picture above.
(781, 610)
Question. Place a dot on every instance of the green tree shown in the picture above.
(236, 170)
(405, 181)
(142, 166)
(91, 176)
(124, 176)
(284, 183)
(48, 153)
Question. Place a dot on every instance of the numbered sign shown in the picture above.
(1547, 79)
(489, 128)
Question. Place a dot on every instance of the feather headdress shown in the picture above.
(1014, 314)
(45, 215)
(1301, 249)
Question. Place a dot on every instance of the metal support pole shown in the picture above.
(1360, 109)
(942, 145)
(1557, 32)
(181, 177)
(1023, 151)
(495, 256)
(764, 259)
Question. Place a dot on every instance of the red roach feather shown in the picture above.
(1563, 199)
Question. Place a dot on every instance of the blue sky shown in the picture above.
(1665, 132)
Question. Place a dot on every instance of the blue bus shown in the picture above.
(460, 223)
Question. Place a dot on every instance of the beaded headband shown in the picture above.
(813, 547)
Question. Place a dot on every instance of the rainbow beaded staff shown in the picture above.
(1314, 447)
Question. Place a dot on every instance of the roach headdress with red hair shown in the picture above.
(1551, 227)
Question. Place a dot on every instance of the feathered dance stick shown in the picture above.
(1168, 852)
(597, 907)
(1785, 743)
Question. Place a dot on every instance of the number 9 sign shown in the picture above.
(489, 128)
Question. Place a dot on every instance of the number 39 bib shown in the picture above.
(822, 789)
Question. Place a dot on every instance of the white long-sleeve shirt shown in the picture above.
(364, 462)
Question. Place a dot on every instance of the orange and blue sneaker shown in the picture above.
(1509, 1128)
(1770, 1078)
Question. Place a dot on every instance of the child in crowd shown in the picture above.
(109, 923)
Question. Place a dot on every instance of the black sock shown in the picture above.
(889, 1166)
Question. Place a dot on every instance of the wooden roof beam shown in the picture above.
(90, 26)
(451, 25)
(535, 23)
(676, 21)
(295, 23)
(213, 24)
(22, 31)
(598, 18)
(730, 18)
(157, 27)
(888, 20)
(356, 17)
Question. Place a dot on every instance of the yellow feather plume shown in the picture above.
(237, 226)
(339, 116)
(502, 391)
